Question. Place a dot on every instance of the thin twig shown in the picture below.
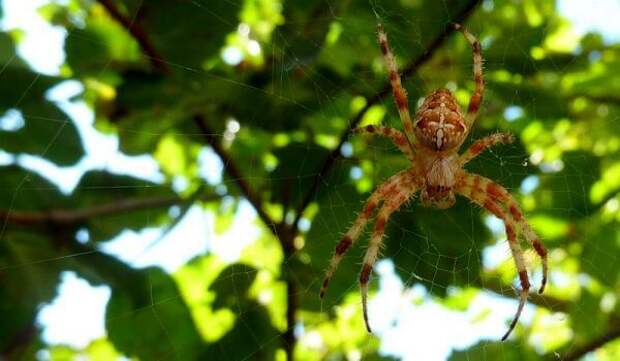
(611, 334)
(139, 34)
(73, 216)
(411, 68)
(549, 302)
(231, 168)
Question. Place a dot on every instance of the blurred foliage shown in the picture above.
(278, 82)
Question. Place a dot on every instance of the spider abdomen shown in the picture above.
(439, 122)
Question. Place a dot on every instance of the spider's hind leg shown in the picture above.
(500, 194)
(392, 204)
(383, 192)
(481, 191)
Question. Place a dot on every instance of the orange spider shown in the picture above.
(431, 142)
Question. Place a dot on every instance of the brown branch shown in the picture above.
(292, 304)
(411, 68)
(19, 342)
(551, 303)
(279, 229)
(611, 334)
(231, 168)
(139, 34)
(73, 216)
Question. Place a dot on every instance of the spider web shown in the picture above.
(422, 305)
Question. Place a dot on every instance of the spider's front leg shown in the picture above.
(400, 94)
(482, 144)
(400, 196)
(476, 98)
(383, 192)
(397, 137)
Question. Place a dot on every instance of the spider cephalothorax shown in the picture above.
(431, 142)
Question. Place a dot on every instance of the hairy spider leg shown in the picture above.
(500, 194)
(391, 205)
(472, 188)
(482, 144)
(476, 97)
(400, 94)
(383, 192)
(397, 137)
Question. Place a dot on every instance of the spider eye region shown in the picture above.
(439, 123)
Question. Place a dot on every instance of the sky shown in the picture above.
(76, 316)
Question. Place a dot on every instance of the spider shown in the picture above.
(431, 143)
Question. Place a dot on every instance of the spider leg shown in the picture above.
(482, 144)
(501, 195)
(400, 94)
(400, 196)
(476, 98)
(397, 137)
(382, 192)
(471, 188)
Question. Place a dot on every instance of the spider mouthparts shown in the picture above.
(457, 26)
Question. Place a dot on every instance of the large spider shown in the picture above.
(431, 142)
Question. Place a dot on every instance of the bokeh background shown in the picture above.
(175, 175)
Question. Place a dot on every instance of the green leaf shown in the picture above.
(488, 351)
(600, 252)
(252, 334)
(22, 190)
(190, 42)
(566, 193)
(47, 132)
(146, 315)
(296, 170)
(439, 248)
(108, 45)
(232, 285)
(29, 275)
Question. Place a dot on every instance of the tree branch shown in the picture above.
(611, 334)
(411, 68)
(73, 216)
(231, 168)
(279, 229)
(551, 303)
(139, 34)
(19, 342)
